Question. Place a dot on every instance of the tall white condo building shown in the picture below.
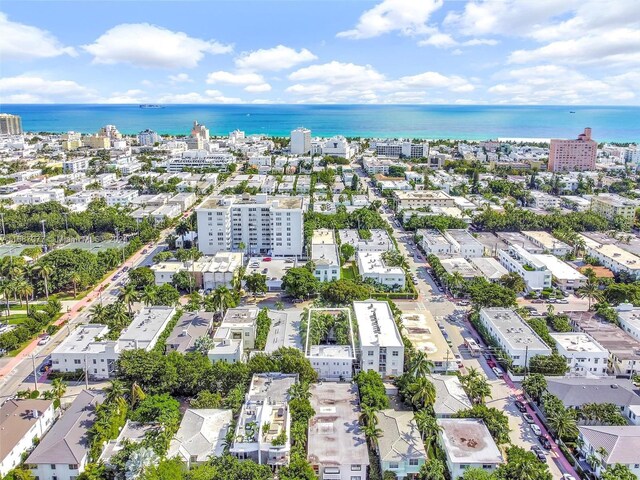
(300, 141)
(265, 225)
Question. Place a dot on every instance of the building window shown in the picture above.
(370, 353)
(356, 477)
(73, 466)
(331, 470)
(394, 353)
(356, 468)
(53, 466)
(393, 466)
(413, 461)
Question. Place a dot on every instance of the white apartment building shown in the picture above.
(119, 197)
(34, 197)
(87, 349)
(456, 242)
(216, 271)
(63, 453)
(584, 355)
(547, 242)
(611, 445)
(242, 324)
(266, 402)
(337, 146)
(200, 159)
(381, 346)
(300, 141)
(535, 274)
(332, 362)
(402, 149)
(337, 447)
(268, 225)
(544, 201)
(467, 443)
(75, 165)
(613, 257)
(563, 275)
(324, 254)
(629, 318)
(422, 198)
(379, 241)
(513, 335)
(372, 265)
(375, 165)
(226, 348)
(22, 420)
(148, 138)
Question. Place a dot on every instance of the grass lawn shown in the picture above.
(16, 318)
(349, 272)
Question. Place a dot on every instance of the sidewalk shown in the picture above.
(86, 302)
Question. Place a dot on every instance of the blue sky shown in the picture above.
(386, 51)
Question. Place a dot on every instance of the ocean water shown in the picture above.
(475, 122)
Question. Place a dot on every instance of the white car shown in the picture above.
(44, 340)
(498, 371)
(566, 476)
(536, 429)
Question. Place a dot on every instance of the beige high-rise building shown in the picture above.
(573, 155)
(10, 124)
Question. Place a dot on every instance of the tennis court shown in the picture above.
(14, 249)
(95, 247)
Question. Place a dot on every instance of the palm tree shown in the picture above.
(221, 298)
(372, 433)
(299, 391)
(44, 272)
(24, 289)
(119, 317)
(456, 282)
(97, 313)
(6, 287)
(136, 395)
(590, 290)
(420, 365)
(368, 415)
(563, 423)
(182, 228)
(236, 283)
(129, 295)
(428, 426)
(424, 393)
(115, 390)
(75, 279)
(149, 295)
(58, 387)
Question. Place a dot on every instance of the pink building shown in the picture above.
(573, 155)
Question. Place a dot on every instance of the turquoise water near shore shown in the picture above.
(614, 123)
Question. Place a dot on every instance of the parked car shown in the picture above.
(498, 371)
(521, 406)
(544, 441)
(539, 453)
(44, 340)
(537, 300)
(535, 429)
(563, 301)
(566, 476)
(464, 303)
(528, 418)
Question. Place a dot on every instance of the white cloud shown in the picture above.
(180, 78)
(338, 73)
(276, 58)
(555, 84)
(436, 80)
(230, 78)
(20, 41)
(145, 45)
(409, 17)
(259, 88)
(40, 90)
(314, 89)
(209, 97)
(130, 96)
(439, 40)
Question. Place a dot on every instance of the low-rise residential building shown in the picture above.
(584, 355)
(455, 242)
(611, 206)
(337, 448)
(378, 242)
(422, 198)
(201, 435)
(381, 346)
(548, 242)
(197, 159)
(613, 257)
(226, 347)
(544, 201)
(64, 452)
(335, 360)
(562, 274)
(467, 443)
(242, 323)
(489, 268)
(611, 445)
(75, 165)
(190, 327)
(624, 350)
(184, 200)
(400, 447)
(266, 403)
(372, 265)
(218, 270)
(513, 335)
(534, 273)
(402, 149)
(461, 266)
(164, 271)
(450, 396)
(375, 166)
(131, 433)
(119, 197)
(324, 254)
(426, 337)
(87, 348)
(22, 421)
(629, 318)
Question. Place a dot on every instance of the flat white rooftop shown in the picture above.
(331, 351)
(560, 269)
(82, 340)
(578, 342)
(459, 265)
(545, 239)
(467, 440)
(372, 263)
(145, 328)
(376, 325)
(513, 328)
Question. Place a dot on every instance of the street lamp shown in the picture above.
(2, 219)
(44, 233)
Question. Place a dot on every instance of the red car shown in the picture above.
(266, 259)
(491, 362)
